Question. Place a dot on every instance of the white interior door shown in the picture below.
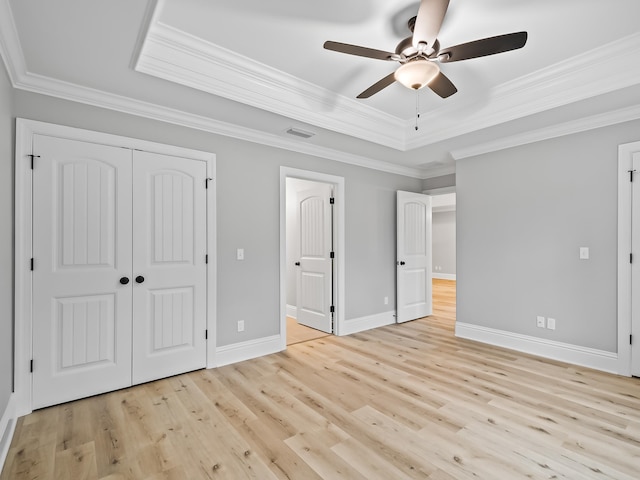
(413, 277)
(635, 267)
(82, 251)
(169, 266)
(314, 277)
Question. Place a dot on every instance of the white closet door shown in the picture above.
(82, 249)
(169, 269)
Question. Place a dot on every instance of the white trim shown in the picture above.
(564, 352)
(25, 130)
(7, 427)
(361, 324)
(443, 276)
(241, 351)
(569, 81)
(212, 265)
(339, 236)
(562, 129)
(625, 163)
(174, 55)
(292, 311)
(516, 99)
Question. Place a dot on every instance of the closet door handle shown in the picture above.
(124, 280)
(139, 279)
(297, 264)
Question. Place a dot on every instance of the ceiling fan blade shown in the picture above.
(379, 85)
(428, 22)
(359, 51)
(484, 47)
(442, 86)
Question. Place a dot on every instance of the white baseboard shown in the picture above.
(7, 427)
(563, 352)
(366, 323)
(292, 311)
(443, 276)
(239, 352)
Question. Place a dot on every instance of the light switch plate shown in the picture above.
(551, 323)
(584, 253)
(240, 254)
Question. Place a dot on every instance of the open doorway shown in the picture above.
(444, 251)
(311, 259)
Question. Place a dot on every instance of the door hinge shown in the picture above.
(206, 258)
(32, 157)
(631, 258)
(332, 309)
(31, 366)
(206, 182)
(630, 339)
(31, 264)
(332, 255)
(332, 200)
(206, 334)
(631, 175)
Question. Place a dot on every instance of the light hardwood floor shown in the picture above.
(400, 402)
(297, 333)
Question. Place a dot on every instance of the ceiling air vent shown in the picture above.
(300, 133)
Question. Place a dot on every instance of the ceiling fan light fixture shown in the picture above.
(417, 74)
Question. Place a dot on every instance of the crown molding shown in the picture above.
(13, 57)
(182, 58)
(77, 93)
(560, 84)
(179, 57)
(622, 115)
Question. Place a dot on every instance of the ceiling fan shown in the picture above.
(420, 53)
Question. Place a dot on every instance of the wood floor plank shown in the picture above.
(407, 401)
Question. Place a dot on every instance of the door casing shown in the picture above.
(339, 236)
(25, 130)
(626, 153)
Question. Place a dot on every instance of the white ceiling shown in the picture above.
(253, 69)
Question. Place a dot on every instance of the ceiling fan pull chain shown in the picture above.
(417, 108)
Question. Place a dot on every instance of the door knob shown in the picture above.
(124, 280)
(139, 279)
(297, 264)
(402, 263)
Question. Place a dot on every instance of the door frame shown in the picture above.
(23, 329)
(339, 236)
(625, 163)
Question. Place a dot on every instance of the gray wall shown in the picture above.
(6, 239)
(439, 182)
(522, 214)
(444, 242)
(248, 215)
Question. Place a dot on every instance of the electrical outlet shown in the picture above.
(540, 321)
(551, 323)
(241, 325)
(386, 300)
